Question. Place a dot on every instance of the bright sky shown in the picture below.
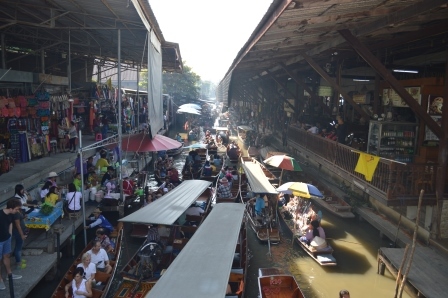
(210, 33)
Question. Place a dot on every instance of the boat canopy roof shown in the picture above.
(167, 209)
(202, 268)
(244, 127)
(258, 181)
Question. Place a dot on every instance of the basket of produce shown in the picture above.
(46, 208)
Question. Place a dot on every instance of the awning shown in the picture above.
(167, 209)
(202, 268)
(143, 143)
(258, 181)
(245, 127)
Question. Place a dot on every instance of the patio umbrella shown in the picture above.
(283, 162)
(284, 188)
(191, 105)
(188, 111)
(305, 190)
(143, 143)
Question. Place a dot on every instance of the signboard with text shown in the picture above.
(390, 97)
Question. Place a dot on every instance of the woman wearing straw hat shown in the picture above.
(52, 176)
(100, 221)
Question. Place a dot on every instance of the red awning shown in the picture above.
(142, 143)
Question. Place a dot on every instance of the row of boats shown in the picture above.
(207, 258)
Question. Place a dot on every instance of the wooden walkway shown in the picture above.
(429, 271)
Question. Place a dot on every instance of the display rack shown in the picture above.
(393, 140)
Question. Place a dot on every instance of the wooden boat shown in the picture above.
(331, 201)
(152, 259)
(245, 134)
(210, 263)
(176, 151)
(297, 224)
(104, 278)
(276, 283)
(254, 180)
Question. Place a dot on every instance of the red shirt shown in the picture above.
(128, 187)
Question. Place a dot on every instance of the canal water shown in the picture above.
(355, 244)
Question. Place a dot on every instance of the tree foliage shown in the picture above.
(179, 85)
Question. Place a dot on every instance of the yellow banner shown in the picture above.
(367, 165)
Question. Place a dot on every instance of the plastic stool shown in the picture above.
(98, 137)
(54, 145)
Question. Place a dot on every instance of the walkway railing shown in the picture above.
(393, 180)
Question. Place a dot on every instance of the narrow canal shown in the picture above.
(355, 243)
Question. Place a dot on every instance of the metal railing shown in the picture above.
(393, 180)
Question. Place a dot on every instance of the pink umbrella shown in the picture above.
(143, 143)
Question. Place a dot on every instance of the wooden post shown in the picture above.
(414, 240)
(397, 282)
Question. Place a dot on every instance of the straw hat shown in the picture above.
(97, 210)
(224, 180)
(318, 243)
(52, 175)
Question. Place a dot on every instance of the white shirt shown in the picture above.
(91, 269)
(313, 130)
(75, 204)
(194, 211)
(99, 259)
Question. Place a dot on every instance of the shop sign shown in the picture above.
(435, 104)
(325, 91)
(361, 98)
(287, 108)
(390, 97)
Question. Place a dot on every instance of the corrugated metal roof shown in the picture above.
(167, 209)
(202, 268)
(258, 181)
(93, 28)
(289, 27)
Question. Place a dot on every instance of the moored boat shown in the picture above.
(213, 263)
(101, 290)
(255, 182)
(277, 283)
(154, 257)
(295, 216)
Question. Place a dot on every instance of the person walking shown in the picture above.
(6, 218)
(72, 134)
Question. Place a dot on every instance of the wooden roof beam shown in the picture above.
(284, 88)
(299, 81)
(333, 84)
(376, 64)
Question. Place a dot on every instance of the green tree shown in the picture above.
(179, 85)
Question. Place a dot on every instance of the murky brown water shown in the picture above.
(355, 244)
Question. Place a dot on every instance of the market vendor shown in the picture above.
(99, 221)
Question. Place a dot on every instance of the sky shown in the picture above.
(210, 33)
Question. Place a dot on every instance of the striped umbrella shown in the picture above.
(283, 162)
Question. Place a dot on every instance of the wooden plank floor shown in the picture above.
(432, 274)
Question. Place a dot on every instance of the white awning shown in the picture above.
(167, 209)
(258, 181)
(202, 268)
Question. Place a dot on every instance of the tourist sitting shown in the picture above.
(52, 196)
(173, 174)
(100, 258)
(207, 170)
(194, 210)
(99, 221)
(73, 198)
(44, 190)
(224, 190)
(314, 229)
(105, 241)
(259, 205)
(80, 286)
(88, 267)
